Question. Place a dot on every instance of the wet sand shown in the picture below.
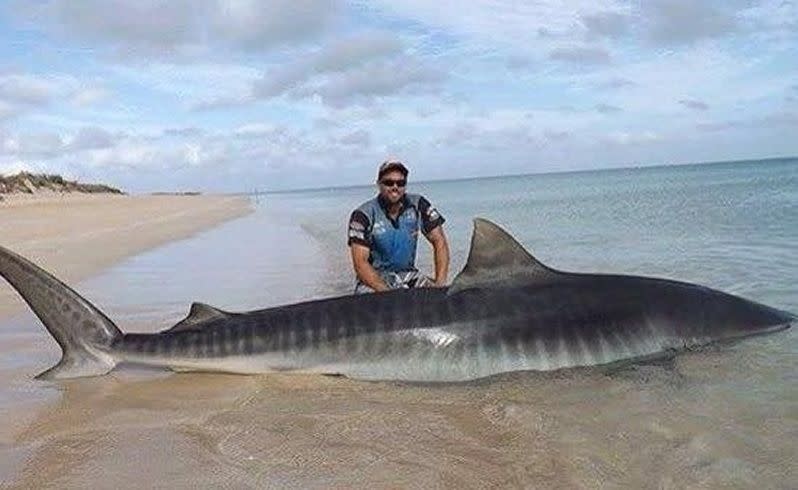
(76, 235)
(638, 427)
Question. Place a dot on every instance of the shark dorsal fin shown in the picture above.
(496, 259)
(199, 314)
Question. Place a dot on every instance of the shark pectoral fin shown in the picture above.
(497, 259)
(199, 314)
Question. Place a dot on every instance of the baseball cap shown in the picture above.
(391, 165)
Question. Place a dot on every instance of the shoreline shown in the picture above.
(75, 236)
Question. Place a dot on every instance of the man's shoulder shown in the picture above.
(414, 199)
(374, 201)
(367, 205)
(364, 213)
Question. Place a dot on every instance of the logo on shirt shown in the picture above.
(379, 228)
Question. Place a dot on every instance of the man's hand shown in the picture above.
(440, 250)
(364, 271)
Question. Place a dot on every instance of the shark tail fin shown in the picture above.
(84, 333)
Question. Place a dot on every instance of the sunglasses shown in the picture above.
(391, 182)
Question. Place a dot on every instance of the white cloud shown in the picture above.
(615, 83)
(25, 93)
(255, 129)
(582, 55)
(91, 138)
(89, 96)
(259, 25)
(696, 105)
(350, 71)
(182, 27)
(632, 137)
(7, 111)
(380, 79)
(607, 108)
(606, 24)
(26, 89)
(508, 22)
(40, 145)
(361, 137)
(686, 21)
(195, 82)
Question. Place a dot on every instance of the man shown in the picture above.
(383, 233)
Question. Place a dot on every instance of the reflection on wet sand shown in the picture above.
(638, 426)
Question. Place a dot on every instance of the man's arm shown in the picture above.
(440, 248)
(432, 226)
(358, 241)
(364, 271)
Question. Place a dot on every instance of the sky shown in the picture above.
(238, 95)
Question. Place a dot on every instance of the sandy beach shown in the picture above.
(76, 235)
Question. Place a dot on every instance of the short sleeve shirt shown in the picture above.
(392, 243)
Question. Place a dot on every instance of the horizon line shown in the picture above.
(528, 174)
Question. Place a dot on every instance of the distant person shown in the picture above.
(383, 233)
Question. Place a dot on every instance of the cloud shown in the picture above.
(361, 137)
(695, 105)
(280, 81)
(582, 55)
(89, 96)
(256, 130)
(615, 84)
(782, 118)
(360, 67)
(719, 126)
(352, 52)
(91, 138)
(184, 27)
(778, 119)
(26, 89)
(37, 145)
(687, 21)
(325, 72)
(381, 79)
(606, 24)
(262, 25)
(6, 142)
(554, 135)
(185, 132)
(7, 111)
(632, 138)
(607, 108)
(519, 62)
(22, 93)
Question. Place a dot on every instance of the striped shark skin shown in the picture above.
(504, 312)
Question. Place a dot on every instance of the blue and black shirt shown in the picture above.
(392, 242)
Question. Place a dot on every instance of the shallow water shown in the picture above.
(723, 416)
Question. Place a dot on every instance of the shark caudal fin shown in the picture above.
(83, 332)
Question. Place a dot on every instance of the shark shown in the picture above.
(505, 311)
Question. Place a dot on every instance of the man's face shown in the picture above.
(392, 186)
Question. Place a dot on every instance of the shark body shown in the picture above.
(504, 312)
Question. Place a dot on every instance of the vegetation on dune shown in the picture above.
(29, 183)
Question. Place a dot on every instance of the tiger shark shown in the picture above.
(505, 311)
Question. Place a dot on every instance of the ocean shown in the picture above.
(721, 416)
